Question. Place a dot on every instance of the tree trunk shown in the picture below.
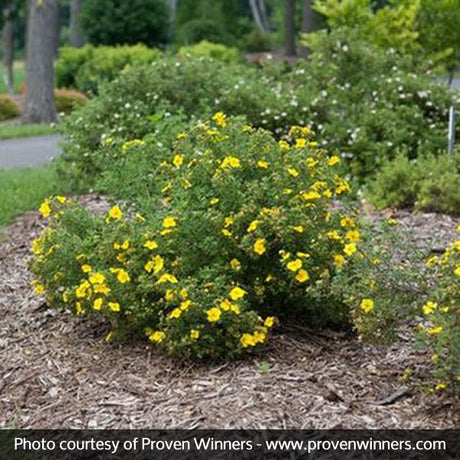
(307, 25)
(256, 15)
(290, 28)
(264, 15)
(39, 103)
(76, 38)
(8, 48)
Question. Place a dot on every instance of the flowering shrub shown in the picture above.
(239, 229)
(442, 311)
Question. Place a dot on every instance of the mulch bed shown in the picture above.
(56, 371)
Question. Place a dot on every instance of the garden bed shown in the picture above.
(57, 371)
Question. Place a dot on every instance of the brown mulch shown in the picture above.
(57, 372)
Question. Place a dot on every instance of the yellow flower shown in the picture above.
(114, 306)
(39, 289)
(433, 260)
(226, 232)
(269, 321)
(175, 313)
(98, 303)
(169, 296)
(213, 314)
(339, 260)
(259, 246)
(262, 164)
(169, 222)
(247, 340)
(347, 222)
(333, 160)
(97, 278)
(440, 386)
(140, 217)
(45, 208)
(167, 278)
(259, 337)
(157, 336)
(101, 289)
(253, 226)
(225, 305)
(310, 196)
(185, 305)
(183, 293)
(125, 245)
(353, 235)
(334, 235)
(109, 336)
(214, 201)
(37, 246)
(194, 334)
(294, 265)
(457, 271)
(434, 330)
(349, 249)
(235, 309)
(367, 305)
(178, 161)
(150, 245)
(429, 307)
(86, 268)
(293, 172)
(123, 276)
(235, 264)
(148, 267)
(230, 162)
(219, 118)
(237, 293)
(300, 143)
(229, 221)
(158, 263)
(302, 276)
(303, 255)
(79, 308)
(61, 199)
(115, 213)
(82, 289)
(284, 146)
(299, 229)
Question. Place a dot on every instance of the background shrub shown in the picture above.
(8, 108)
(212, 50)
(424, 184)
(109, 22)
(68, 99)
(87, 68)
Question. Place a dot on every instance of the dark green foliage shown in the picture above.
(425, 184)
(113, 22)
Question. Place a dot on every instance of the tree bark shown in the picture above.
(76, 38)
(8, 48)
(307, 25)
(39, 102)
(256, 15)
(290, 28)
(264, 15)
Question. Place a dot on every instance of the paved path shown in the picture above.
(28, 151)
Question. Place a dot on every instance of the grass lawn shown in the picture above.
(19, 77)
(23, 189)
(13, 131)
